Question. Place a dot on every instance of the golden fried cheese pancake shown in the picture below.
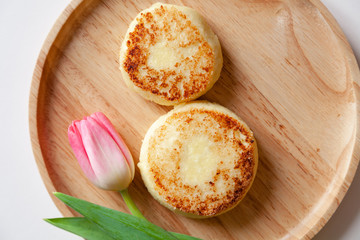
(199, 159)
(170, 55)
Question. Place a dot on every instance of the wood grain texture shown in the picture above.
(288, 72)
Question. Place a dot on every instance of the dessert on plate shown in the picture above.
(170, 55)
(199, 159)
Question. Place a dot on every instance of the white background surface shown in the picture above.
(24, 201)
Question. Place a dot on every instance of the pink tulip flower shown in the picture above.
(101, 152)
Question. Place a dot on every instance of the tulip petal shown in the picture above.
(105, 123)
(76, 144)
(106, 158)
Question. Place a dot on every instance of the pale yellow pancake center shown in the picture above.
(198, 160)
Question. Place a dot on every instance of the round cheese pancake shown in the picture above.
(170, 55)
(199, 159)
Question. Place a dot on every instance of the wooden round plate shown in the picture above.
(288, 72)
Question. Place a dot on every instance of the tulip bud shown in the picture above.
(101, 152)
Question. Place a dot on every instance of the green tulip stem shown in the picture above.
(130, 204)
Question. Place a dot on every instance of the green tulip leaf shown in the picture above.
(91, 231)
(81, 227)
(116, 223)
